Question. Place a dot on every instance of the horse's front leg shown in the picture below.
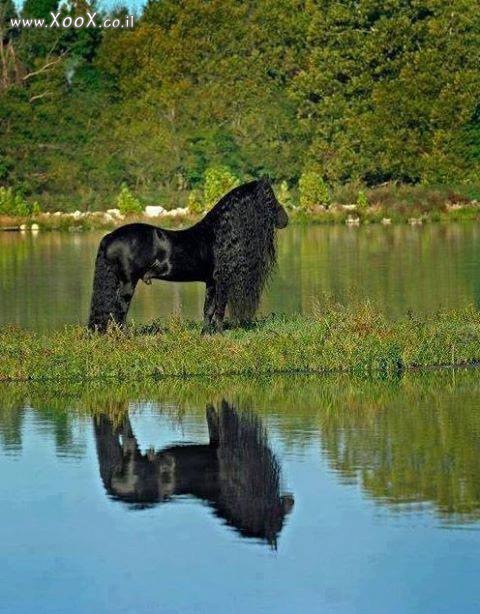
(209, 307)
(129, 441)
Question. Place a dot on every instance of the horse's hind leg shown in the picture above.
(213, 425)
(125, 295)
(209, 307)
(221, 298)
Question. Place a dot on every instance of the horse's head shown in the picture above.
(281, 217)
(267, 196)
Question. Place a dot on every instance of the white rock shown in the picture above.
(115, 213)
(77, 215)
(352, 221)
(154, 211)
(34, 227)
(176, 212)
(386, 221)
(23, 227)
(349, 207)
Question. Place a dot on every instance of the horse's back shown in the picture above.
(128, 231)
(133, 245)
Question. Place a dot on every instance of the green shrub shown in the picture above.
(218, 181)
(126, 201)
(284, 195)
(14, 204)
(313, 190)
(195, 201)
(362, 200)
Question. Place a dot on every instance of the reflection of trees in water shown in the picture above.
(11, 427)
(419, 449)
(46, 277)
(14, 252)
(46, 280)
(51, 414)
(398, 268)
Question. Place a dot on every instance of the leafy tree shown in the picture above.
(39, 8)
(218, 181)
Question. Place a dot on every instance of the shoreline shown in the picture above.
(348, 215)
(373, 374)
(357, 340)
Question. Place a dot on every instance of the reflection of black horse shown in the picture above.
(232, 250)
(236, 473)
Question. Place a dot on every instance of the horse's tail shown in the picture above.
(103, 306)
(245, 251)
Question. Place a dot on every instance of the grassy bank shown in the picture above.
(356, 340)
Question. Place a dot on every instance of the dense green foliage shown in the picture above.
(354, 339)
(361, 92)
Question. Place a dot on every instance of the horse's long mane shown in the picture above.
(249, 475)
(244, 244)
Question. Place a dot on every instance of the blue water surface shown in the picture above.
(69, 546)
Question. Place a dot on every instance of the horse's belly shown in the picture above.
(182, 277)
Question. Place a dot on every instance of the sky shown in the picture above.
(136, 5)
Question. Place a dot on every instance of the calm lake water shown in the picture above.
(45, 280)
(364, 498)
(329, 494)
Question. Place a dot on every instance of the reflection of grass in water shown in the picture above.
(406, 440)
(355, 339)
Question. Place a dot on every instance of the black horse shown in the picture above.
(231, 250)
(236, 473)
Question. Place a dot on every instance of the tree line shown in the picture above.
(334, 92)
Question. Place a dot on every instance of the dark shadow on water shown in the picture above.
(236, 473)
